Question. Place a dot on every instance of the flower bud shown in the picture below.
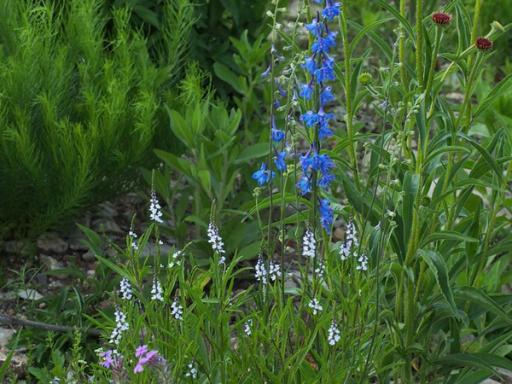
(365, 78)
(483, 44)
(441, 18)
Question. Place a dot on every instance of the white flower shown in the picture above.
(155, 210)
(350, 242)
(308, 244)
(274, 271)
(216, 241)
(315, 306)
(157, 293)
(192, 370)
(126, 289)
(177, 310)
(260, 271)
(133, 239)
(363, 263)
(263, 275)
(333, 334)
(121, 326)
(248, 327)
(320, 269)
(175, 259)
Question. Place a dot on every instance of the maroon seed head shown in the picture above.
(483, 43)
(441, 18)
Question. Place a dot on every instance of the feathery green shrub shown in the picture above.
(79, 101)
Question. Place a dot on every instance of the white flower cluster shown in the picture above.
(264, 275)
(315, 306)
(133, 239)
(125, 289)
(157, 293)
(121, 326)
(177, 310)
(363, 263)
(350, 241)
(320, 269)
(175, 259)
(192, 371)
(308, 244)
(333, 334)
(155, 210)
(248, 327)
(216, 242)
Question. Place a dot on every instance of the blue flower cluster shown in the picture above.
(320, 67)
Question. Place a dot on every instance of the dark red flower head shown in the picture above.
(483, 43)
(441, 18)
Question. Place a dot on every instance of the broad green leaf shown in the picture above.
(448, 235)
(226, 74)
(476, 360)
(438, 267)
(504, 87)
(254, 151)
(479, 297)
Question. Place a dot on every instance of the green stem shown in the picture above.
(401, 48)
(349, 118)
(438, 37)
(419, 43)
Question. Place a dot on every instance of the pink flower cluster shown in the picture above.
(146, 357)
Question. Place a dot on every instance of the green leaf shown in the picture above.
(503, 88)
(400, 18)
(410, 189)
(226, 74)
(180, 128)
(448, 235)
(476, 360)
(438, 267)
(485, 155)
(254, 151)
(479, 297)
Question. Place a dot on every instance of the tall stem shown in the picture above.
(419, 44)
(401, 48)
(349, 117)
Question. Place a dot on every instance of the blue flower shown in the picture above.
(326, 96)
(263, 175)
(325, 181)
(324, 44)
(306, 162)
(280, 161)
(331, 10)
(310, 65)
(304, 185)
(282, 91)
(309, 118)
(323, 119)
(326, 71)
(323, 163)
(306, 91)
(326, 214)
(277, 135)
(267, 72)
(315, 28)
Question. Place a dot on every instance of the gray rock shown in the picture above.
(89, 256)
(29, 294)
(51, 263)
(5, 336)
(51, 243)
(107, 226)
